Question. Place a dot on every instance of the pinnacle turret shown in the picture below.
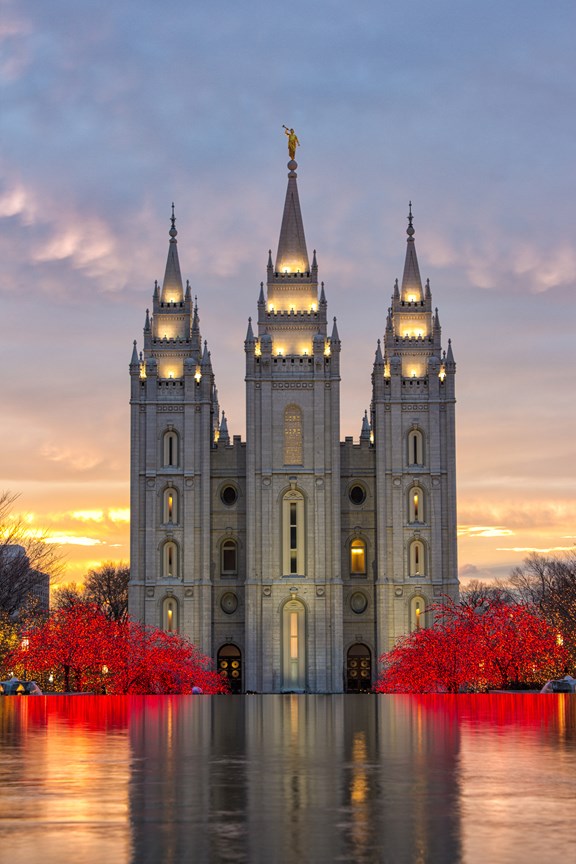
(224, 437)
(365, 433)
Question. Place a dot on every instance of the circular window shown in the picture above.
(357, 495)
(229, 495)
(229, 602)
(358, 602)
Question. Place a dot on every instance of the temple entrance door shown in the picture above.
(230, 666)
(294, 647)
(358, 669)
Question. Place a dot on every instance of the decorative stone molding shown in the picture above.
(292, 385)
(189, 592)
(267, 591)
(150, 592)
(163, 409)
(320, 592)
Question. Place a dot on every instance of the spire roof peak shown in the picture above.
(292, 255)
(411, 282)
(172, 289)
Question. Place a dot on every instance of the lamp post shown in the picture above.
(25, 644)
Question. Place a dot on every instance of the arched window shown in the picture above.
(170, 560)
(358, 557)
(417, 613)
(416, 505)
(170, 449)
(293, 435)
(170, 615)
(417, 562)
(415, 447)
(170, 508)
(294, 646)
(293, 539)
(229, 558)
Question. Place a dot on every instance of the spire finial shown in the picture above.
(173, 232)
(410, 229)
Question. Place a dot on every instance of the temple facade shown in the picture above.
(293, 559)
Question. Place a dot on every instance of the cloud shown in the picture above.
(88, 515)
(483, 531)
(72, 540)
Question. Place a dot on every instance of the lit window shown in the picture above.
(416, 505)
(170, 448)
(170, 615)
(415, 447)
(293, 435)
(293, 534)
(294, 635)
(170, 506)
(417, 614)
(357, 557)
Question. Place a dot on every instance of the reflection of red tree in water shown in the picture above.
(511, 710)
(489, 645)
(83, 651)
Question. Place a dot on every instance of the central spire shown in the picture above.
(411, 282)
(172, 290)
(292, 256)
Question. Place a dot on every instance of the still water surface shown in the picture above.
(288, 779)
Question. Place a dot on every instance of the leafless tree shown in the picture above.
(108, 588)
(66, 596)
(25, 560)
(481, 595)
(549, 582)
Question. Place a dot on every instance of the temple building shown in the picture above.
(293, 559)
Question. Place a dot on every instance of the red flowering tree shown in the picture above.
(154, 661)
(474, 647)
(83, 650)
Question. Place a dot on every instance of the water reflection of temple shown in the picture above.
(295, 779)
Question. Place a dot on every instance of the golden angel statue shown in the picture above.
(293, 141)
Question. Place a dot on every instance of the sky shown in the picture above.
(111, 111)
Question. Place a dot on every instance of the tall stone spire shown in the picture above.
(172, 290)
(411, 282)
(292, 256)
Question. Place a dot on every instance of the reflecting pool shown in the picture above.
(286, 779)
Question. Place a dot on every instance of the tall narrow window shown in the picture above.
(415, 447)
(170, 448)
(293, 647)
(358, 557)
(294, 635)
(229, 558)
(293, 540)
(171, 506)
(417, 613)
(293, 435)
(170, 560)
(417, 566)
(416, 505)
(170, 615)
